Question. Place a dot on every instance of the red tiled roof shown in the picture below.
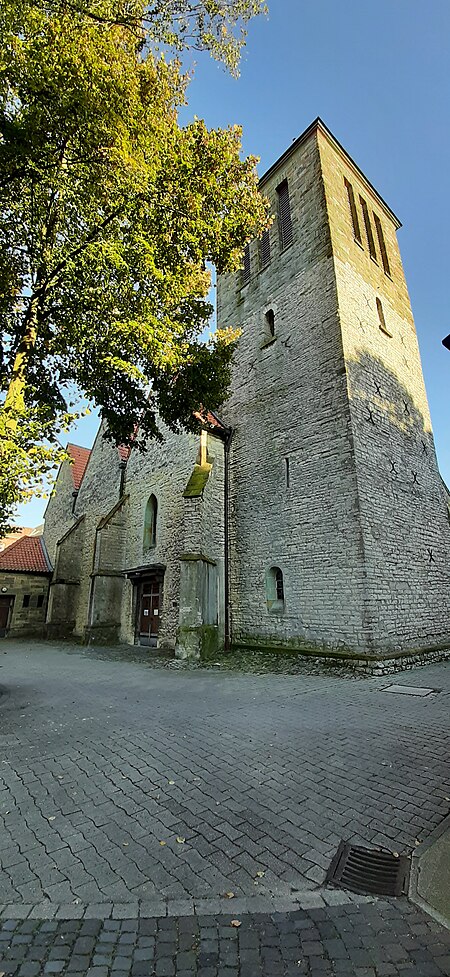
(80, 458)
(27, 555)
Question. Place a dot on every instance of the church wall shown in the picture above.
(99, 492)
(69, 568)
(289, 401)
(163, 471)
(59, 515)
(202, 587)
(401, 496)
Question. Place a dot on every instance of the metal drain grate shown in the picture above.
(363, 870)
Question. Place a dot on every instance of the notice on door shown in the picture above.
(145, 613)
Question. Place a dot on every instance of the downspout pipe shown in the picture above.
(122, 469)
(226, 527)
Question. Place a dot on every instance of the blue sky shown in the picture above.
(378, 76)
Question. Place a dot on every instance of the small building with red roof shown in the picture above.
(25, 572)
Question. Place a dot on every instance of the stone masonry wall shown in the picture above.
(289, 402)
(99, 492)
(29, 619)
(401, 495)
(69, 569)
(163, 471)
(202, 608)
(59, 514)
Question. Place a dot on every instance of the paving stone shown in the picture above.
(240, 765)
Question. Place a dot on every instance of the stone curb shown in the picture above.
(317, 899)
(413, 893)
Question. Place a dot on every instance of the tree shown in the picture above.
(110, 213)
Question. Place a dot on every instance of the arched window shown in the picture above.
(275, 590)
(151, 513)
(279, 584)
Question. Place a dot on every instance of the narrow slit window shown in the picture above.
(382, 244)
(353, 212)
(284, 215)
(381, 319)
(270, 322)
(264, 250)
(368, 226)
(245, 274)
(26, 600)
(40, 600)
(288, 472)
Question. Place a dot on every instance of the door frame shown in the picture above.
(140, 576)
(151, 580)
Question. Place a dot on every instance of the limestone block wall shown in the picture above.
(403, 509)
(59, 514)
(202, 587)
(294, 492)
(99, 492)
(162, 471)
(28, 619)
(69, 570)
(107, 581)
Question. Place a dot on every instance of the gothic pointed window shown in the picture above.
(151, 513)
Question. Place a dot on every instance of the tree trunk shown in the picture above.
(15, 397)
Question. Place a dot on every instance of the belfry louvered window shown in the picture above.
(368, 226)
(353, 211)
(382, 243)
(284, 215)
(264, 250)
(245, 273)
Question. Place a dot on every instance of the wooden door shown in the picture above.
(5, 605)
(149, 612)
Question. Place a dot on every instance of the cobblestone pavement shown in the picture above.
(133, 797)
(383, 940)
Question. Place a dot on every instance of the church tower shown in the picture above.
(339, 532)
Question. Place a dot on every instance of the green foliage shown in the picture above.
(110, 212)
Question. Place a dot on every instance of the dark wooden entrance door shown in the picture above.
(149, 612)
(5, 605)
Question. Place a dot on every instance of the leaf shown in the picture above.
(260, 875)
(181, 840)
(236, 923)
(52, 818)
(228, 895)
(125, 844)
(162, 843)
(171, 781)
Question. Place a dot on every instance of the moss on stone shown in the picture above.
(197, 482)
